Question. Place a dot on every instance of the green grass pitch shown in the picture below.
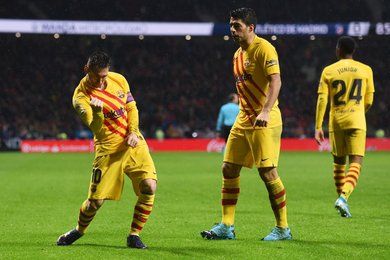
(41, 194)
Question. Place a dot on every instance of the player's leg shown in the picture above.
(339, 172)
(106, 183)
(236, 155)
(356, 148)
(337, 141)
(142, 211)
(265, 145)
(87, 212)
(277, 198)
(140, 168)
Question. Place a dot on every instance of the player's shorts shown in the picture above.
(108, 171)
(259, 147)
(348, 142)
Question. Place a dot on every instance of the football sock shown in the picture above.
(229, 193)
(142, 210)
(339, 176)
(86, 215)
(351, 180)
(277, 197)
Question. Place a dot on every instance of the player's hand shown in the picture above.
(96, 104)
(262, 119)
(319, 136)
(132, 140)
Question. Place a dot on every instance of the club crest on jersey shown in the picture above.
(120, 94)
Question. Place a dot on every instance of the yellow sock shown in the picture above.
(339, 176)
(142, 210)
(277, 197)
(86, 215)
(229, 194)
(351, 180)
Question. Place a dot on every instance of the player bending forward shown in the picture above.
(349, 85)
(104, 103)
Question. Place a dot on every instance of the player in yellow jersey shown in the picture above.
(349, 86)
(254, 139)
(104, 103)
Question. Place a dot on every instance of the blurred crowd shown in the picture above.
(179, 84)
(276, 11)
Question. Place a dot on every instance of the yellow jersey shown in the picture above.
(110, 126)
(251, 67)
(346, 82)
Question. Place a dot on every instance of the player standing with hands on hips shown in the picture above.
(104, 103)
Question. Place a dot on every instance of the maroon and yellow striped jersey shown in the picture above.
(251, 67)
(110, 134)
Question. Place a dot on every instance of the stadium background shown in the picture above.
(179, 83)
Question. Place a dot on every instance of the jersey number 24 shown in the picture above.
(354, 94)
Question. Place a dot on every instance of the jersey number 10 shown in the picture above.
(355, 92)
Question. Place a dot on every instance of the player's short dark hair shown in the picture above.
(247, 15)
(99, 60)
(231, 97)
(346, 44)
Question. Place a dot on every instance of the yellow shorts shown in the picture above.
(249, 147)
(348, 142)
(108, 172)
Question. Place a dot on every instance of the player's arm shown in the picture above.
(90, 112)
(132, 117)
(275, 83)
(369, 96)
(322, 101)
(268, 59)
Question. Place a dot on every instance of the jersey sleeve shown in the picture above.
(370, 81)
(323, 85)
(91, 118)
(269, 59)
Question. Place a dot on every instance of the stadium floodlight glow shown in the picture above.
(103, 36)
(273, 37)
(226, 37)
(141, 37)
(18, 35)
(56, 36)
(312, 37)
(188, 37)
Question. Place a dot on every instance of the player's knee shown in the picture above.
(339, 160)
(356, 159)
(268, 174)
(230, 170)
(148, 186)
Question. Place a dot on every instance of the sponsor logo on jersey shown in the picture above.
(270, 63)
(113, 114)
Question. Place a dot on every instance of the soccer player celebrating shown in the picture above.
(255, 136)
(104, 103)
(349, 85)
